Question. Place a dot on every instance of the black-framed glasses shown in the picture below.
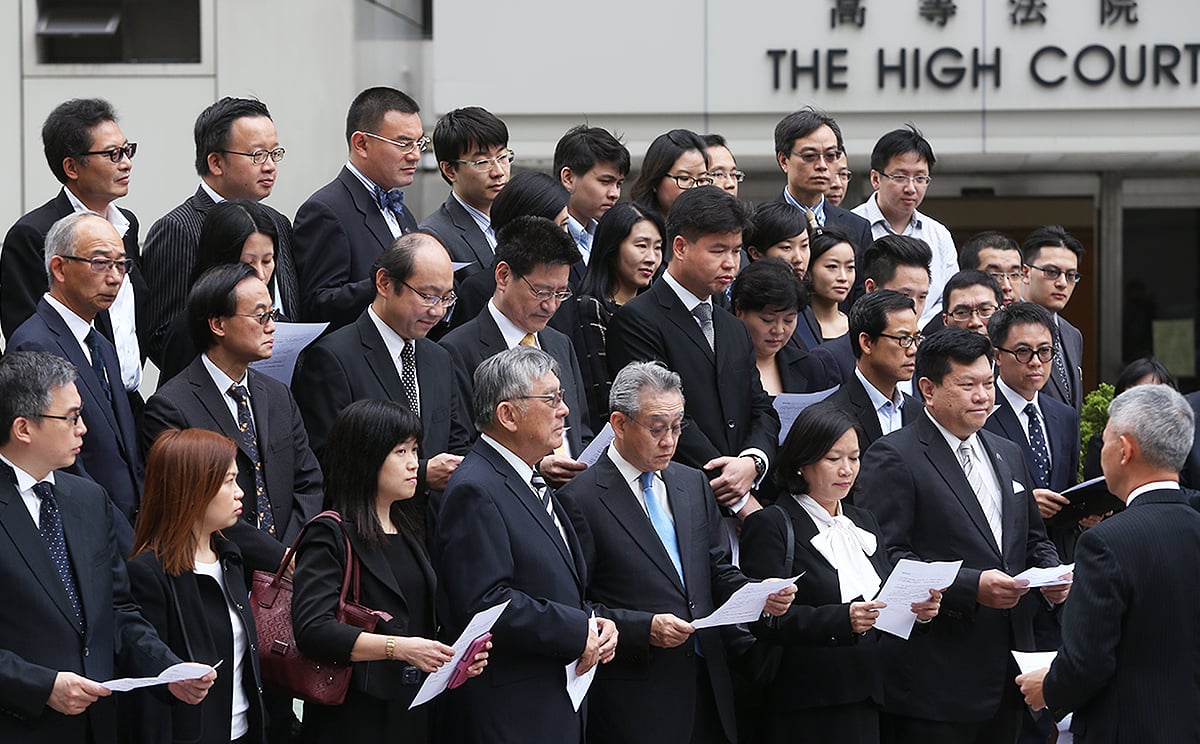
(904, 180)
(432, 300)
(258, 157)
(845, 175)
(542, 295)
(1011, 277)
(102, 265)
(503, 159)
(811, 156)
(552, 398)
(405, 146)
(128, 150)
(659, 431)
(906, 341)
(984, 311)
(70, 418)
(734, 175)
(686, 182)
(1053, 273)
(262, 318)
(1024, 355)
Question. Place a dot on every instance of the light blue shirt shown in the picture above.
(889, 412)
(819, 209)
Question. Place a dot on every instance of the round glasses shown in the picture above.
(1024, 355)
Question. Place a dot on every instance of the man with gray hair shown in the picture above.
(85, 258)
(1132, 626)
(502, 535)
(658, 558)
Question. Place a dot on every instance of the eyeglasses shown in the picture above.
(686, 182)
(262, 318)
(104, 265)
(542, 295)
(845, 175)
(1053, 272)
(260, 156)
(432, 300)
(984, 312)
(116, 153)
(906, 341)
(905, 180)
(421, 143)
(659, 431)
(736, 175)
(552, 398)
(485, 165)
(70, 418)
(1006, 276)
(1025, 354)
(812, 156)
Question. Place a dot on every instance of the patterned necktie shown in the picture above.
(408, 375)
(983, 492)
(528, 340)
(245, 425)
(93, 343)
(538, 483)
(56, 542)
(704, 313)
(1037, 443)
(392, 200)
(661, 522)
(811, 216)
(1060, 367)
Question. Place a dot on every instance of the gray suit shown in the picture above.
(456, 229)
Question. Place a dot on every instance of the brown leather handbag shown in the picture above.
(284, 668)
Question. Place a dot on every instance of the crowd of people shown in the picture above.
(469, 360)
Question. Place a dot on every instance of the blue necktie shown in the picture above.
(1037, 443)
(51, 528)
(661, 522)
(93, 343)
(393, 199)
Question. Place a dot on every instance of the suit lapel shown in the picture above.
(470, 231)
(74, 354)
(372, 218)
(213, 401)
(491, 341)
(865, 412)
(684, 320)
(622, 504)
(1011, 506)
(17, 524)
(375, 352)
(260, 403)
(947, 465)
(374, 562)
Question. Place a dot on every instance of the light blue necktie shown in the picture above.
(661, 522)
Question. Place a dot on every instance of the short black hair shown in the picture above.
(949, 344)
(968, 256)
(28, 379)
(706, 210)
(225, 230)
(901, 142)
(869, 315)
(1139, 368)
(812, 435)
(369, 107)
(582, 147)
(612, 229)
(214, 126)
(462, 130)
(768, 284)
(528, 242)
(801, 124)
(774, 221)
(399, 260)
(660, 156)
(824, 239)
(1052, 236)
(1018, 313)
(529, 193)
(67, 133)
(971, 278)
(881, 259)
(214, 295)
(714, 140)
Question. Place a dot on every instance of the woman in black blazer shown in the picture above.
(828, 686)
(370, 475)
(188, 580)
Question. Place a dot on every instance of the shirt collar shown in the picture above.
(79, 327)
(878, 398)
(112, 214)
(627, 471)
(1153, 486)
(212, 194)
(689, 300)
(392, 340)
(872, 213)
(582, 235)
(25, 481)
(953, 442)
(481, 219)
(1016, 401)
(367, 183)
(819, 209)
(222, 380)
(524, 471)
(511, 334)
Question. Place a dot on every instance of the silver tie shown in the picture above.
(983, 491)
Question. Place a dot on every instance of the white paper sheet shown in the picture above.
(910, 582)
(579, 684)
(595, 448)
(435, 684)
(290, 340)
(1031, 661)
(1046, 576)
(178, 673)
(746, 604)
(789, 406)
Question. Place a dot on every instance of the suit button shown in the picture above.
(691, 605)
(86, 651)
(240, 608)
(730, 423)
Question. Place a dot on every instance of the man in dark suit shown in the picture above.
(71, 621)
(92, 159)
(883, 334)
(1190, 475)
(533, 257)
(998, 256)
(1051, 256)
(87, 268)
(344, 226)
(236, 152)
(1134, 614)
(969, 300)
(502, 535)
(943, 490)
(370, 358)
(592, 165)
(658, 557)
(733, 429)
(231, 319)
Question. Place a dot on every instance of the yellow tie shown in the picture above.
(529, 340)
(811, 216)
(561, 450)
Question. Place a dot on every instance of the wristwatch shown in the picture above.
(760, 466)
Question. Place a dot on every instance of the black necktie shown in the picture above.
(245, 424)
(408, 375)
(1037, 443)
(56, 543)
(1060, 367)
(93, 343)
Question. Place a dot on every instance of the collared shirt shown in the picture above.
(582, 235)
(524, 472)
(394, 343)
(511, 334)
(945, 255)
(953, 442)
(889, 412)
(223, 383)
(212, 194)
(819, 209)
(1152, 486)
(25, 484)
(388, 215)
(633, 478)
(78, 327)
(122, 312)
(482, 221)
(1017, 402)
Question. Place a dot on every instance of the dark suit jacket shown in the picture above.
(648, 694)
(1133, 611)
(170, 258)
(339, 234)
(458, 232)
(801, 371)
(852, 396)
(837, 356)
(495, 542)
(292, 476)
(480, 338)
(726, 405)
(913, 484)
(39, 635)
(1190, 475)
(825, 662)
(1072, 344)
(352, 363)
(110, 454)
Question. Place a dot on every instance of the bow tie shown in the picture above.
(393, 200)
